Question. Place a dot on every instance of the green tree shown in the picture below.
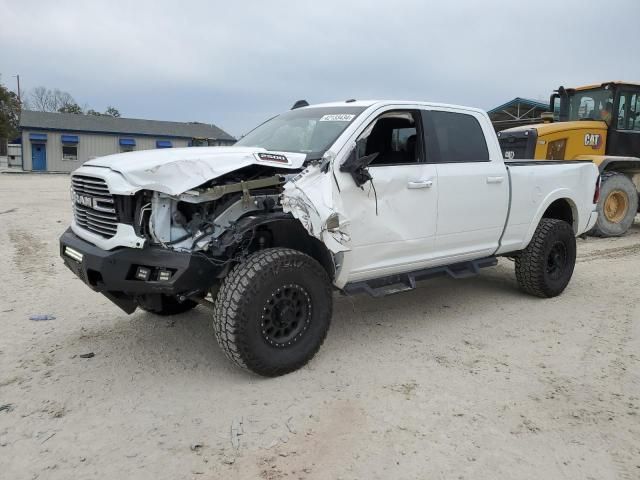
(9, 114)
(71, 108)
(112, 112)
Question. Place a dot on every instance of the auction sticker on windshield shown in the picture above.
(337, 117)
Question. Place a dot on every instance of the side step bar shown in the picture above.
(379, 287)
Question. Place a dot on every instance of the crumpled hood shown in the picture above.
(176, 170)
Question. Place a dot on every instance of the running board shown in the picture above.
(380, 287)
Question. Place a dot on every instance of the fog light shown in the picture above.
(142, 273)
(164, 275)
(71, 253)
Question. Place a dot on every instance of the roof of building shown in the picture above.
(71, 122)
(522, 101)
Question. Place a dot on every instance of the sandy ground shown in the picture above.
(466, 379)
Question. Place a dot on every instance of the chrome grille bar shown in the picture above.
(94, 206)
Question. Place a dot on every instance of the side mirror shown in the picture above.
(357, 166)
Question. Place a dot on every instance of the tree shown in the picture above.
(112, 112)
(43, 99)
(9, 114)
(71, 108)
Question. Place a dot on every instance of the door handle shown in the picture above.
(495, 179)
(420, 184)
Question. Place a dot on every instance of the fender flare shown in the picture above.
(559, 194)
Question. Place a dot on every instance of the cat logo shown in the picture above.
(592, 140)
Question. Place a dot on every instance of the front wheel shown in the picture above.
(545, 267)
(273, 311)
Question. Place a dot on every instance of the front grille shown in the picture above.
(93, 205)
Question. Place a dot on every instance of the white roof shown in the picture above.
(369, 103)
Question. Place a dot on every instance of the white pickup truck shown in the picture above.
(355, 196)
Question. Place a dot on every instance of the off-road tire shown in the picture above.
(246, 301)
(535, 269)
(169, 306)
(611, 182)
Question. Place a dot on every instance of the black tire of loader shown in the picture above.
(615, 181)
(533, 263)
(238, 318)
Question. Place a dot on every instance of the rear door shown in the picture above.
(473, 188)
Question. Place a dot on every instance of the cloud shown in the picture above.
(236, 63)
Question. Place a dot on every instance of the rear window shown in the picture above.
(454, 138)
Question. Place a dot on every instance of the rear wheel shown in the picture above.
(617, 206)
(545, 267)
(273, 311)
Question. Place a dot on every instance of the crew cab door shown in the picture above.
(392, 218)
(473, 186)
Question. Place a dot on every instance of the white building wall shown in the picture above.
(89, 146)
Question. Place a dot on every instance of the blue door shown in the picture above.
(38, 156)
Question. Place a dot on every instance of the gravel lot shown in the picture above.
(466, 379)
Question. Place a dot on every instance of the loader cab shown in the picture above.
(616, 104)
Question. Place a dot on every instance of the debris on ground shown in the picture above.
(7, 407)
(40, 318)
(87, 355)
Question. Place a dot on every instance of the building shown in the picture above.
(61, 142)
(519, 111)
(14, 155)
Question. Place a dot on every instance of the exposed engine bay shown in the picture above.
(196, 219)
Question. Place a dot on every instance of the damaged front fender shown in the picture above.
(309, 198)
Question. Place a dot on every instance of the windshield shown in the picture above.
(594, 104)
(305, 130)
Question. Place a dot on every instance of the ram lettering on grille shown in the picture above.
(93, 205)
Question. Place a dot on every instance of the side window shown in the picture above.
(628, 113)
(454, 138)
(393, 136)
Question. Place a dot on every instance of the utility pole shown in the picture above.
(19, 96)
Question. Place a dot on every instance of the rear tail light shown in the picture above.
(596, 194)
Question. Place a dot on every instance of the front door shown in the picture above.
(38, 156)
(392, 218)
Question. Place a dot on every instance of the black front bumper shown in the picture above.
(112, 273)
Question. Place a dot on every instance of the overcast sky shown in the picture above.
(235, 63)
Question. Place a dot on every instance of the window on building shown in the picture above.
(454, 138)
(163, 144)
(69, 147)
(69, 152)
(127, 144)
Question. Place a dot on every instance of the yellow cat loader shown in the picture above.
(600, 123)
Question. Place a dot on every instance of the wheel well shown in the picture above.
(628, 167)
(289, 233)
(562, 209)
